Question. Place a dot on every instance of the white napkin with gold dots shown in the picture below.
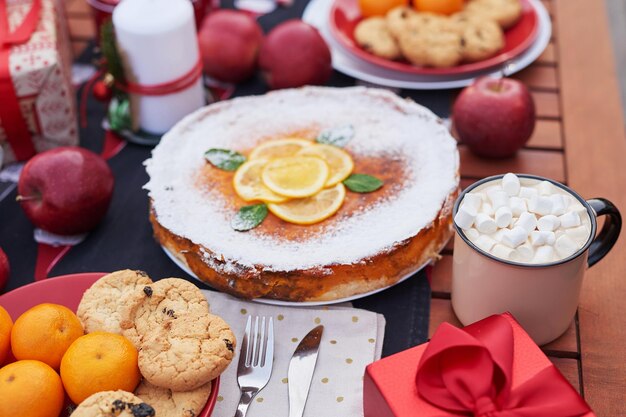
(352, 339)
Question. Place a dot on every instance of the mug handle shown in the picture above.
(607, 237)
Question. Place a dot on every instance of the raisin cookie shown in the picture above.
(431, 41)
(181, 345)
(373, 35)
(168, 403)
(100, 307)
(505, 12)
(397, 19)
(481, 40)
(113, 404)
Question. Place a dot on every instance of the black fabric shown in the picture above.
(124, 239)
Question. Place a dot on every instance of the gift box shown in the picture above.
(37, 102)
(491, 368)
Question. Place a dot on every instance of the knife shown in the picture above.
(301, 368)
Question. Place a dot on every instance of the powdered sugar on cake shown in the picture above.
(384, 124)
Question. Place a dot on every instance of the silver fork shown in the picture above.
(256, 359)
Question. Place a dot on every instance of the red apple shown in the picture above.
(295, 54)
(5, 270)
(494, 117)
(66, 190)
(229, 45)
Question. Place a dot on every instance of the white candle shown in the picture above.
(158, 44)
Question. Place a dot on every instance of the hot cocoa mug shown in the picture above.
(542, 297)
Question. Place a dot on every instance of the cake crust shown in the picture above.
(327, 283)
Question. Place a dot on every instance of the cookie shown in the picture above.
(481, 40)
(373, 35)
(99, 309)
(113, 404)
(397, 19)
(168, 403)
(431, 41)
(505, 12)
(181, 345)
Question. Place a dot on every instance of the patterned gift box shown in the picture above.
(37, 102)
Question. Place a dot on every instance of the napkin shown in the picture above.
(352, 339)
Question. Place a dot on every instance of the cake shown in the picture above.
(374, 240)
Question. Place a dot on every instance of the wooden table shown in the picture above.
(579, 140)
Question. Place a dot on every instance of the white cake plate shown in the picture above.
(317, 13)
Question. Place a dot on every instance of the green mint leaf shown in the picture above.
(362, 183)
(337, 136)
(249, 217)
(225, 159)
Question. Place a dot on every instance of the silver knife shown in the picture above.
(301, 368)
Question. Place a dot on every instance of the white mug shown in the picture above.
(542, 297)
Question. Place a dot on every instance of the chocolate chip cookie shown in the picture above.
(181, 345)
(113, 404)
(100, 307)
(373, 35)
(505, 12)
(432, 41)
(168, 403)
(481, 40)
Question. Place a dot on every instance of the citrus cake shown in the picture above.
(311, 194)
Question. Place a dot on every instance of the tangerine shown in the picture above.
(99, 361)
(30, 388)
(44, 333)
(371, 8)
(438, 6)
(5, 334)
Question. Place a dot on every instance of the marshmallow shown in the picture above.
(548, 223)
(510, 184)
(527, 192)
(569, 219)
(565, 246)
(539, 238)
(503, 252)
(525, 252)
(485, 224)
(559, 205)
(503, 216)
(540, 205)
(528, 221)
(518, 206)
(472, 233)
(487, 209)
(580, 233)
(485, 243)
(514, 237)
(546, 188)
(464, 218)
(497, 236)
(498, 198)
(473, 201)
(544, 255)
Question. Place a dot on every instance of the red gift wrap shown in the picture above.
(37, 103)
(491, 368)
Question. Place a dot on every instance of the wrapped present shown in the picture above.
(37, 103)
(491, 368)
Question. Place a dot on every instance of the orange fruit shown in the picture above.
(380, 7)
(438, 6)
(44, 333)
(99, 361)
(30, 388)
(5, 334)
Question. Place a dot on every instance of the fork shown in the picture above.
(256, 359)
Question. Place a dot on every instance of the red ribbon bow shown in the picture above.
(471, 374)
(13, 122)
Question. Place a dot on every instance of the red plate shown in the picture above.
(68, 290)
(345, 15)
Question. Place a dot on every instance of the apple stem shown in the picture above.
(25, 198)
